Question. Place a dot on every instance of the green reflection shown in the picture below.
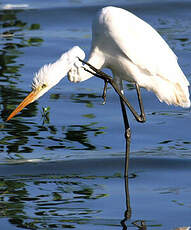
(73, 137)
(12, 40)
(85, 98)
(12, 43)
(20, 137)
(79, 133)
(89, 115)
(34, 202)
(16, 133)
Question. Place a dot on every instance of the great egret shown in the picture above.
(132, 50)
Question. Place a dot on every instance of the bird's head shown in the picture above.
(48, 76)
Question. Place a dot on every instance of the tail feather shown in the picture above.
(172, 93)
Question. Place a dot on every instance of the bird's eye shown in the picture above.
(43, 86)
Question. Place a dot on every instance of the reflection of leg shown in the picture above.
(127, 214)
(127, 136)
(128, 207)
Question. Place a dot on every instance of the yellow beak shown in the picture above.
(29, 99)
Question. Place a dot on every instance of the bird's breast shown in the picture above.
(121, 67)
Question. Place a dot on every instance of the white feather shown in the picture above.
(49, 75)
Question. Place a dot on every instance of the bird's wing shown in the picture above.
(138, 41)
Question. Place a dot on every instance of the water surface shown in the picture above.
(83, 187)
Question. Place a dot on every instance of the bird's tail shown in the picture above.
(173, 93)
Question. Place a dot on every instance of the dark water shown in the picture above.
(67, 171)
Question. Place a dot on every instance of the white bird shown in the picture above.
(131, 49)
(135, 52)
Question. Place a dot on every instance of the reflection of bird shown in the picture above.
(133, 51)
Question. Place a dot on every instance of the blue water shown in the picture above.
(67, 171)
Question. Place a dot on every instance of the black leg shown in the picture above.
(104, 91)
(140, 102)
(127, 136)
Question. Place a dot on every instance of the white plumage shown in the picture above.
(135, 52)
(51, 74)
